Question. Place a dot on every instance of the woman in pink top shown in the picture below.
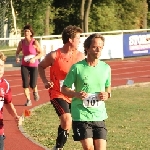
(29, 66)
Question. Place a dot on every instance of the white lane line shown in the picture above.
(146, 76)
(126, 67)
(133, 64)
(19, 79)
(11, 74)
(13, 86)
(114, 74)
(23, 93)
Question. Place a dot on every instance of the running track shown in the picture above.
(137, 69)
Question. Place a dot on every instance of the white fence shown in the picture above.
(115, 43)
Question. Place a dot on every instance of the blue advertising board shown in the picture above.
(136, 44)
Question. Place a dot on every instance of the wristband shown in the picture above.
(109, 95)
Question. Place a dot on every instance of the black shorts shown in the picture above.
(61, 106)
(27, 72)
(89, 129)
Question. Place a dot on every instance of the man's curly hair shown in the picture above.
(2, 56)
(88, 41)
(70, 32)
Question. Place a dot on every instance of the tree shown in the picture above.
(51, 16)
(33, 12)
(3, 6)
(145, 6)
(106, 15)
(84, 14)
(66, 13)
(47, 22)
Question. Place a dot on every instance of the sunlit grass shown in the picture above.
(128, 123)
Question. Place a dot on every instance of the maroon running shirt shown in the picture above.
(5, 98)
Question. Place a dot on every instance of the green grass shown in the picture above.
(128, 123)
(10, 53)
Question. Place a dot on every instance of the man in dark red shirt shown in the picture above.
(5, 100)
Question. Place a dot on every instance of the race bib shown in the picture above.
(92, 101)
(27, 58)
(1, 104)
(61, 84)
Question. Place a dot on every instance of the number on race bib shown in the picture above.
(1, 102)
(92, 101)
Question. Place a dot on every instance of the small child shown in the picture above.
(5, 100)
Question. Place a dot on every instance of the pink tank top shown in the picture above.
(58, 73)
(29, 50)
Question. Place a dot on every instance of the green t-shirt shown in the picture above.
(91, 80)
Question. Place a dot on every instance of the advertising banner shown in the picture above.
(136, 44)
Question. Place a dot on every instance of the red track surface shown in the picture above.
(137, 69)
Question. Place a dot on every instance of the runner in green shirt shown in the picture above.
(92, 80)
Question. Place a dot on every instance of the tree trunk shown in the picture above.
(87, 11)
(145, 15)
(82, 15)
(47, 16)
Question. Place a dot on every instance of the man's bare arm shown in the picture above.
(108, 90)
(46, 62)
(68, 91)
(72, 94)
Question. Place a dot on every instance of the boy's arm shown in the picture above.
(9, 105)
(11, 109)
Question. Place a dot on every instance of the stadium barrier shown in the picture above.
(118, 44)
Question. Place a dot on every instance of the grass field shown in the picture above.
(10, 53)
(128, 123)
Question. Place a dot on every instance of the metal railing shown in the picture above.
(10, 44)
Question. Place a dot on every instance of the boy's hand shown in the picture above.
(19, 120)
